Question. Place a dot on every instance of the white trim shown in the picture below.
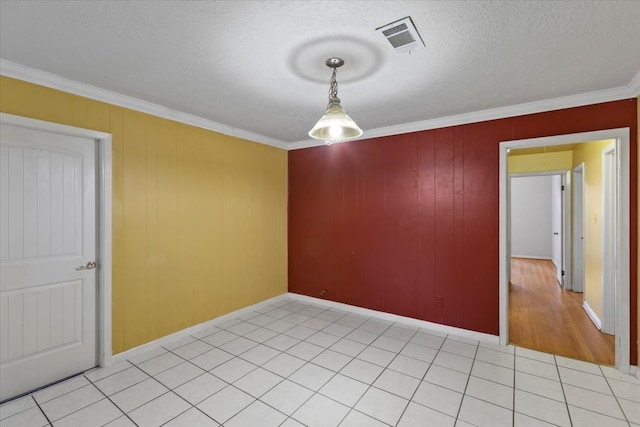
(21, 72)
(546, 258)
(330, 304)
(623, 296)
(577, 238)
(105, 154)
(504, 245)
(103, 211)
(608, 293)
(32, 75)
(592, 315)
(630, 90)
(191, 330)
(539, 173)
(635, 370)
(634, 86)
(465, 333)
(623, 317)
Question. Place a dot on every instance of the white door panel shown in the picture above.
(47, 230)
(578, 228)
(556, 225)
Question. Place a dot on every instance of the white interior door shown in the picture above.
(47, 233)
(556, 226)
(578, 229)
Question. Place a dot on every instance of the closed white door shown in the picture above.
(578, 228)
(47, 258)
(556, 226)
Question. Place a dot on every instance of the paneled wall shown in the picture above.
(199, 218)
(408, 224)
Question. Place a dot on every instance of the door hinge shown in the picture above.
(562, 274)
(562, 187)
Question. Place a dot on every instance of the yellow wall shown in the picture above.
(199, 218)
(561, 160)
(591, 155)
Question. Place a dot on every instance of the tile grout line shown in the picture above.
(317, 392)
(64, 394)
(564, 394)
(46, 417)
(370, 386)
(424, 376)
(513, 411)
(283, 378)
(113, 403)
(314, 392)
(543, 396)
(466, 386)
(624, 414)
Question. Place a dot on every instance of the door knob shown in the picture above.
(90, 266)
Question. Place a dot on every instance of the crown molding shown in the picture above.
(634, 85)
(631, 90)
(32, 75)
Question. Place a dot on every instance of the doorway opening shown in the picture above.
(540, 222)
(621, 263)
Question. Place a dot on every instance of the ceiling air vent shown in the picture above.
(402, 35)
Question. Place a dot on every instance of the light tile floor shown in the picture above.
(298, 364)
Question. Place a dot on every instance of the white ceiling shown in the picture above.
(256, 68)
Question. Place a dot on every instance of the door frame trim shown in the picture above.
(623, 315)
(575, 214)
(608, 242)
(104, 160)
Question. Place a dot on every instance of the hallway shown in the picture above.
(544, 317)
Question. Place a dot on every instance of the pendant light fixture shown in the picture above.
(335, 125)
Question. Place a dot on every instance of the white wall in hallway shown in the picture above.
(531, 216)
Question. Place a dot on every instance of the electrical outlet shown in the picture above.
(439, 302)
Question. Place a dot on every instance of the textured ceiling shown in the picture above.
(258, 66)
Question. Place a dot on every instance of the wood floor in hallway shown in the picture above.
(545, 317)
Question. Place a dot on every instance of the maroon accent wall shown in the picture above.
(408, 224)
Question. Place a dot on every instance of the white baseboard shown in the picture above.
(480, 336)
(592, 315)
(364, 311)
(546, 258)
(188, 331)
(635, 371)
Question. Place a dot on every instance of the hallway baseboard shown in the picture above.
(592, 315)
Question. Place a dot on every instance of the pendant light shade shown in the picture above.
(335, 125)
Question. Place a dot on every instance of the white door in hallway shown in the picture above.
(578, 228)
(47, 258)
(557, 237)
